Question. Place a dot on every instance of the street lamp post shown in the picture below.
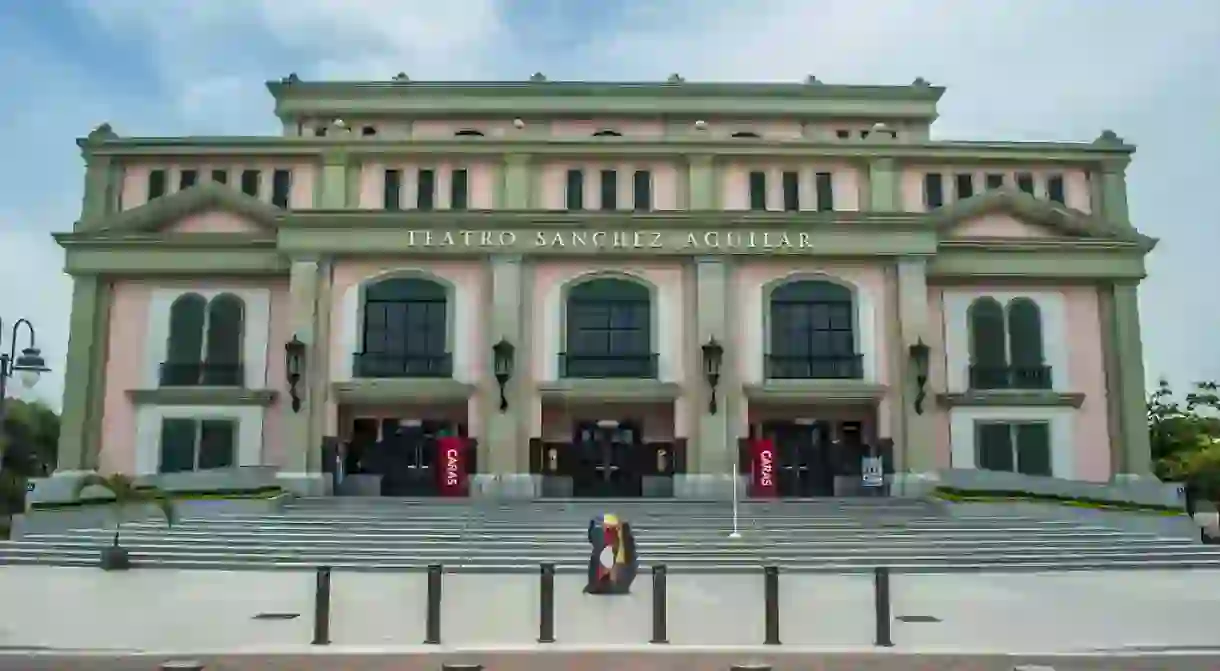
(29, 366)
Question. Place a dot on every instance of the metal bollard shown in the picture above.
(660, 629)
(771, 605)
(448, 666)
(321, 606)
(432, 625)
(751, 666)
(881, 606)
(181, 665)
(546, 604)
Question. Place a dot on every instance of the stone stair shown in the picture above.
(834, 535)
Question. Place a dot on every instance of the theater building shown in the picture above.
(574, 289)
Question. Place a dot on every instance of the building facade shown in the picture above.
(537, 267)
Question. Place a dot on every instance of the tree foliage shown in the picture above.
(1185, 436)
(32, 428)
(126, 494)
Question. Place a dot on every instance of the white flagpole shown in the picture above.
(736, 533)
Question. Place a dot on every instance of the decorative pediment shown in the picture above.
(1009, 213)
(199, 209)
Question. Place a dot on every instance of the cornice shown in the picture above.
(546, 219)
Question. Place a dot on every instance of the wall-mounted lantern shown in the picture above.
(502, 357)
(919, 353)
(294, 363)
(713, 354)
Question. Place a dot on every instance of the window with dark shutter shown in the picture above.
(177, 445)
(963, 184)
(1055, 190)
(823, 184)
(220, 176)
(249, 182)
(609, 190)
(281, 185)
(933, 190)
(995, 180)
(642, 187)
(1034, 448)
(391, 198)
(993, 441)
(574, 196)
(156, 184)
(425, 197)
(459, 189)
(1025, 182)
(792, 191)
(217, 443)
(187, 179)
(758, 190)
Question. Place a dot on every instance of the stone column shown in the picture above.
(519, 183)
(85, 369)
(101, 184)
(919, 431)
(499, 451)
(701, 191)
(715, 446)
(1114, 192)
(334, 190)
(883, 186)
(319, 374)
(1124, 358)
(300, 472)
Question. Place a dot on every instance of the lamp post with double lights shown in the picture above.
(28, 366)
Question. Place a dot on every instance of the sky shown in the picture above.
(1015, 70)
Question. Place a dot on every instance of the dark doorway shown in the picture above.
(804, 463)
(404, 455)
(603, 459)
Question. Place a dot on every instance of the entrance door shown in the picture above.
(803, 450)
(605, 455)
(405, 457)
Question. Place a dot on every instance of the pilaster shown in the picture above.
(919, 450)
(519, 183)
(716, 447)
(100, 188)
(334, 190)
(883, 183)
(319, 375)
(85, 369)
(701, 188)
(1113, 177)
(303, 317)
(499, 451)
(1125, 377)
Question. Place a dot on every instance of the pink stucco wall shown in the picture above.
(845, 183)
(135, 178)
(554, 180)
(1075, 186)
(212, 222)
(1087, 373)
(578, 128)
(999, 226)
(481, 177)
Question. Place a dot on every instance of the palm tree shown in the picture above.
(126, 494)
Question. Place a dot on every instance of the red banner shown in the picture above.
(451, 465)
(762, 468)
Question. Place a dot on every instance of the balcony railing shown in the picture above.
(378, 364)
(603, 366)
(197, 374)
(788, 367)
(1010, 377)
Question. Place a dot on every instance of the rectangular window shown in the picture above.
(1055, 190)
(249, 182)
(574, 197)
(995, 180)
(187, 179)
(792, 191)
(758, 190)
(281, 185)
(1033, 441)
(156, 184)
(933, 190)
(391, 198)
(824, 185)
(220, 176)
(1014, 447)
(609, 190)
(963, 184)
(994, 446)
(192, 444)
(459, 189)
(642, 187)
(425, 197)
(1025, 182)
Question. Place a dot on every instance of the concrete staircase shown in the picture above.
(839, 535)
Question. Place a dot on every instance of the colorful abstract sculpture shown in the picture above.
(612, 562)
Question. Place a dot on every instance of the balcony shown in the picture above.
(1010, 377)
(788, 367)
(390, 365)
(608, 366)
(206, 374)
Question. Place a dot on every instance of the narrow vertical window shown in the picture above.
(1025, 182)
(642, 188)
(823, 184)
(609, 190)
(425, 197)
(187, 179)
(1055, 190)
(249, 182)
(575, 194)
(220, 176)
(156, 184)
(281, 185)
(758, 190)
(963, 184)
(391, 198)
(792, 191)
(933, 190)
(459, 188)
(995, 180)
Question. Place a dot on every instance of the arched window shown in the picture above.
(468, 132)
(222, 354)
(606, 132)
(746, 135)
(406, 330)
(1025, 345)
(205, 341)
(609, 331)
(813, 332)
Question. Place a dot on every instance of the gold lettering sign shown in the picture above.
(593, 240)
